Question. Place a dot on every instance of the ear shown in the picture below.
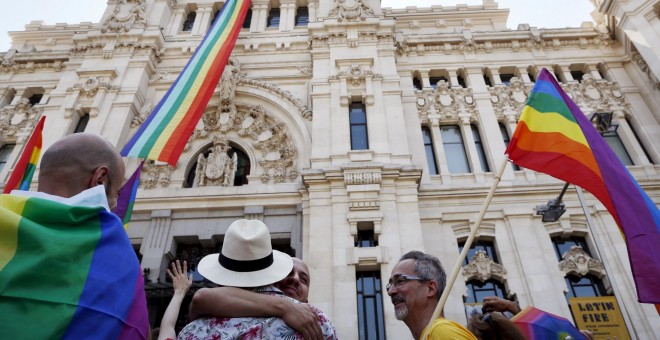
(99, 177)
(432, 290)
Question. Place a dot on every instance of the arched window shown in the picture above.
(190, 21)
(242, 168)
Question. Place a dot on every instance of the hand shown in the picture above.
(180, 279)
(302, 318)
(587, 334)
(497, 304)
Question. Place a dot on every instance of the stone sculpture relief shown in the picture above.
(253, 125)
(216, 169)
(509, 100)
(158, 174)
(127, 14)
(577, 262)
(445, 103)
(22, 116)
(481, 267)
(351, 10)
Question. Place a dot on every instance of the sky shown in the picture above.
(539, 13)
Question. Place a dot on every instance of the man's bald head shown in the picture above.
(78, 162)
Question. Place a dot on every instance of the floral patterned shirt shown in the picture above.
(252, 327)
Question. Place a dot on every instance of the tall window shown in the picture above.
(248, 19)
(82, 123)
(613, 140)
(506, 78)
(461, 81)
(480, 148)
(452, 141)
(273, 18)
(485, 246)
(366, 238)
(190, 21)
(371, 323)
(478, 290)
(505, 138)
(358, 123)
(417, 84)
(5, 152)
(302, 16)
(35, 98)
(430, 153)
(435, 80)
(584, 286)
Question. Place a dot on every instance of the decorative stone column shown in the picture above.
(156, 244)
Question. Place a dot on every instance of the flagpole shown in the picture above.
(606, 264)
(466, 247)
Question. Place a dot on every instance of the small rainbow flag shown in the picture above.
(21, 177)
(554, 137)
(167, 129)
(126, 198)
(67, 272)
(536, 324)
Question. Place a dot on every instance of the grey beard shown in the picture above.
(401, 312)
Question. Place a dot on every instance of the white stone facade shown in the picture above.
(285, 103)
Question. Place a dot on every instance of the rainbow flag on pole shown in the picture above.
(126, 198)
(21, 177)
(167, 129)
(554, 137)
(67, 272)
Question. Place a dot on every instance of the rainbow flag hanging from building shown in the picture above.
(21, 177)
(126, 198)
(67, 272)
(167, 129)
(554, 137)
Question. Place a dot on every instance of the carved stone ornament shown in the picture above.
(356, 73)
(641, 63)
(254, 126)
(158, 174)
(142, 115)
(481, 267)
(91, 86)
(577, 262)
(371, 177)
(509, 100)
(216, 169)
(21, 117)
(351, 10)
(10, 64)
(445, 103)
(595, 95)
(127, 14)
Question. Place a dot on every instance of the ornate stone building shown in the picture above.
(358, 133)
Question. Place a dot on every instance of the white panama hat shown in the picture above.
(247, 258)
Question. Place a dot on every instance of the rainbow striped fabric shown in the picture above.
(126, 198)
(536, 324)
(68, 273)
(167, 129)
(554, 137)
(21, 177)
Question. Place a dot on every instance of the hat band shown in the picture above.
(245, 266)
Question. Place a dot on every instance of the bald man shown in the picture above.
(72, 270)
(79, 162)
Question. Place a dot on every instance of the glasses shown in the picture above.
(399, 279)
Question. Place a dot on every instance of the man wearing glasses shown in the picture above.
(415, 288)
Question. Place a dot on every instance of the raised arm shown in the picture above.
(235, 302)
(181, 283)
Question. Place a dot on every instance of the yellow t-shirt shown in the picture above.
(447, 329)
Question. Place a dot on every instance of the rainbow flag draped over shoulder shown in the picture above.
(554, 137)
(67, 272)
(126, 198)
(167, 129)
(21, 177)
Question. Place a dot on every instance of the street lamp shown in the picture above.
(603, 122)
(553, 210)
